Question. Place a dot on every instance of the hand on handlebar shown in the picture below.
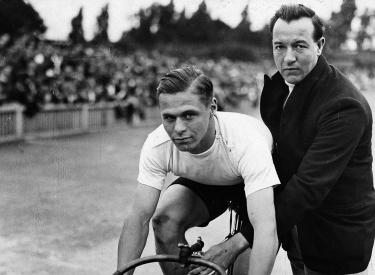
(219, 254)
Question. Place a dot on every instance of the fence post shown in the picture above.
(19, 121)
(110, 114)
(85, 117)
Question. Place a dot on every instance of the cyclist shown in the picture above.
(218, 156)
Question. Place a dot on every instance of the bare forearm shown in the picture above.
(264, 251)
(237, 244)
(223, 254)
(132, 241)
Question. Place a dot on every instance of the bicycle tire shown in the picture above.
(168, 258)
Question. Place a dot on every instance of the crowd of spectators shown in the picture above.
(363, 78)
(38, 74)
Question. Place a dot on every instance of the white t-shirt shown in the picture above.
(241, 153)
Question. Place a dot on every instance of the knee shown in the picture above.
(159, 221)
(163, 222)
(165, 227)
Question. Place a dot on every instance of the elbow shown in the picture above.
(266, 227)
(265, 230)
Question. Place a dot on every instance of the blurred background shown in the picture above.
(79, 66)
(83, 65)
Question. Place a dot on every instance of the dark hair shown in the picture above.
(292, 12)
(184, 79)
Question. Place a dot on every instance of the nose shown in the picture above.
(180, 126)
(290, 56)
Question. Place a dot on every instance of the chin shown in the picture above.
(292, 80)
(184, 148)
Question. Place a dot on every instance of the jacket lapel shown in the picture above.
(272, 100)
(295, 107)
(282, 120)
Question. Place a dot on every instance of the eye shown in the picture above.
(279, 48)
(300, 47)
(168, 118)
(189, 116)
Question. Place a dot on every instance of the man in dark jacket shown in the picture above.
(322, 128)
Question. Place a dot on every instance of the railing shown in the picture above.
(53, 121)
(7, 123)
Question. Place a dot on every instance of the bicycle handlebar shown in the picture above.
(184, 258)
(169, 258)
(197, 246)
(186, 251)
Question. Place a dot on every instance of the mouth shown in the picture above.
(291, 69)
(181, 139)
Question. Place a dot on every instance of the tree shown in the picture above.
(200, 25)
(148, 26)
(101, 35)
(167, 23)
(263, 39)
(340, 24)
(77, 35)
(181, 25)
(242, 32)
(18, 17)
(220, 30)
(365, 32)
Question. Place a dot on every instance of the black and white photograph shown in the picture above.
(173, 137)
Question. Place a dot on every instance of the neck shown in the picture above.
(208, 139)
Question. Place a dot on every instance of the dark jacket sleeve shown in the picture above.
(339, 131)
(248, 232)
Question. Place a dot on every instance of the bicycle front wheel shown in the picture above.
(169, 258)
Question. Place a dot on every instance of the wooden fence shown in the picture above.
(54, 121)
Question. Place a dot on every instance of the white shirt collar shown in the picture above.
(291, 86)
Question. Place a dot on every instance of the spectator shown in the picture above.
(72, 74)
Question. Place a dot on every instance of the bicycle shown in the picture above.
(185, 258)
(191, 254)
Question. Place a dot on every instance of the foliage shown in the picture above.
(76, 36)
(142, 34)
(200, 27)
(242, 32)
(101, 35)
(160, 24)
(340, 24)
(167, 23)
(365, 32)
(18, 17)
(163, 27)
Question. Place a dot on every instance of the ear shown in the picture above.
(213, 105)
(320, 44)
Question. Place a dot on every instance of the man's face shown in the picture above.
(294, 50)
(187, 121)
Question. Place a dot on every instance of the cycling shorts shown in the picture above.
(217, 198)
